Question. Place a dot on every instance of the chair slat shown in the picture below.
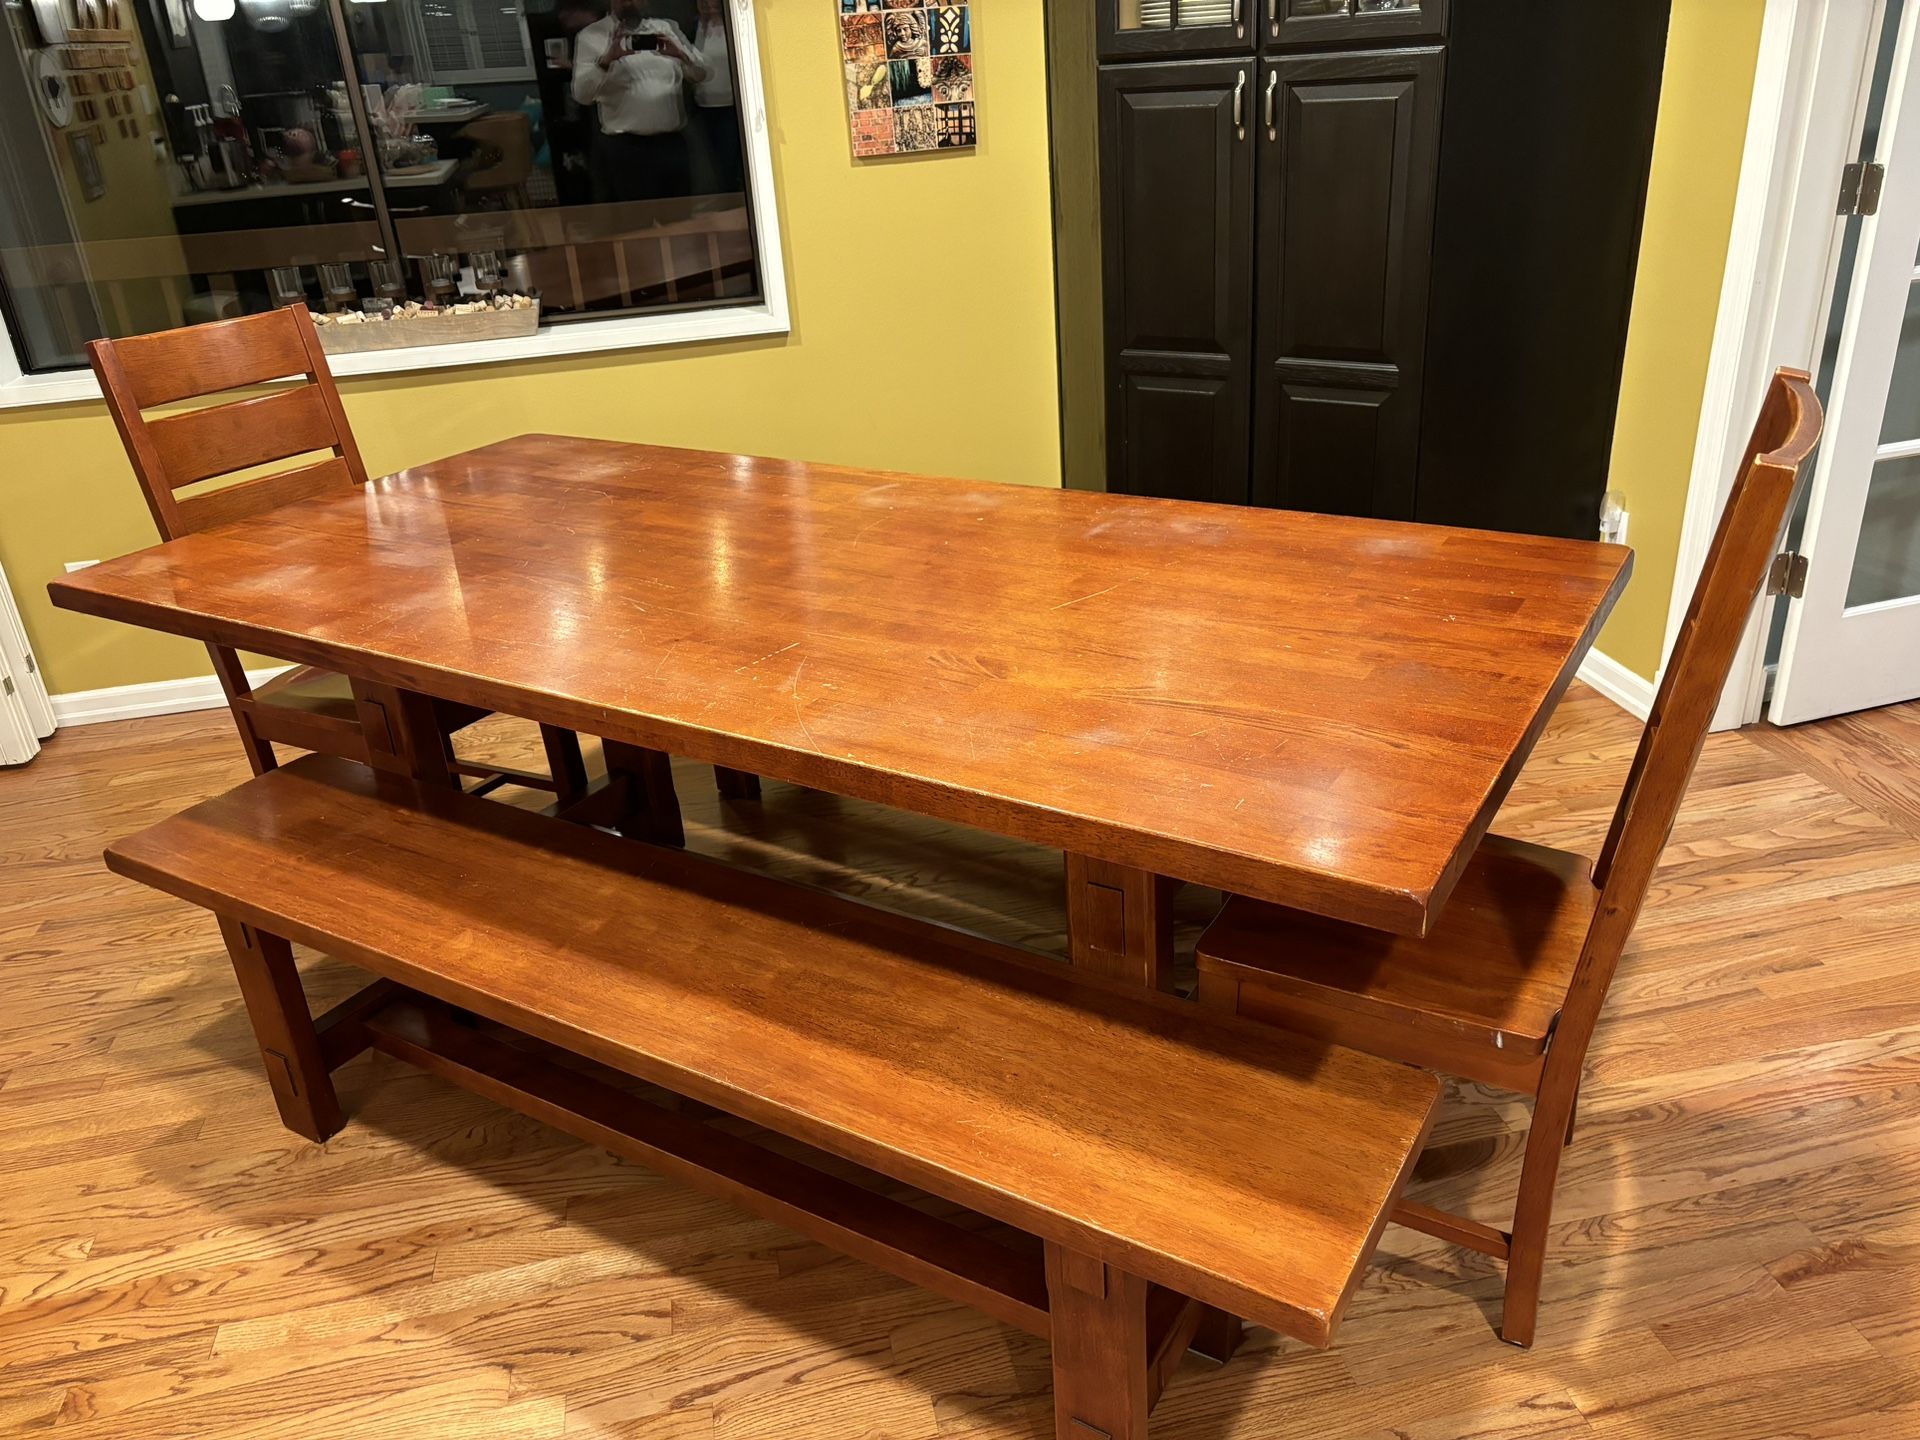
(224, 438)
(252, 497)
(221, 355)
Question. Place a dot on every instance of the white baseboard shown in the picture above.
(156, 697)
(1631, 692)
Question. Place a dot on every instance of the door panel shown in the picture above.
(1852, 641)
(1323, 430)
(1176, 208)
(1184, 437)
(1348, 147)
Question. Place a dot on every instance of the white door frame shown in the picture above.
(1803, 127)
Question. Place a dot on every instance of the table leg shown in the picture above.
(1120, 921)
(736, 784)
(404, 736)
(652, 808)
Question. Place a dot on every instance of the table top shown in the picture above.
(1319, 711)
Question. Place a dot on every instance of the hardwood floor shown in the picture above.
(1737, 1247)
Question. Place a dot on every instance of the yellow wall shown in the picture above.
(923, 340)
(1696, 170)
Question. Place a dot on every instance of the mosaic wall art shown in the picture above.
(909, 75)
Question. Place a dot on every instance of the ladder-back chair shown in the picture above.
(1508, 986)
(307, 707)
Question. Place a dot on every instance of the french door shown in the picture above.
(26, 717)
(1852, 635)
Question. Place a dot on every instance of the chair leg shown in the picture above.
(564, 763)
(283, 1025)
(259, 752)
(1099, 1348)
(1533, 1212)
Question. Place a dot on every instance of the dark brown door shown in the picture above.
(1348, 147)
(1140, 29)
(1176, 171)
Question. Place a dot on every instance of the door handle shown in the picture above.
(1273, 17)
(1273, 81)
(1239, 30)
(1240, 106)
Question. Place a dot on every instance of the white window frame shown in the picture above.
(769, 316)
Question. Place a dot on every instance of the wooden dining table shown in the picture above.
(1314, 710)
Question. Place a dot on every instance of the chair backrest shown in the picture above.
(511, 134)
(1743, 549)
(172, 452)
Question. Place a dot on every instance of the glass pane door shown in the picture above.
(1886, 564)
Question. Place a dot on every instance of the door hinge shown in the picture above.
(1860, 187)
(1788, 575)
(6, 682)
(30, 664)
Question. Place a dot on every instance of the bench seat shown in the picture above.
(1222, 1160)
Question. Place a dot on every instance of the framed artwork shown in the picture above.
(908, 70)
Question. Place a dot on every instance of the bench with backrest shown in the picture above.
(1177, 1168)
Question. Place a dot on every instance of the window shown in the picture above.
(199, 159)
(473, 42)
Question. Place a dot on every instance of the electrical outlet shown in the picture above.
(1613, 518)
(73, 565)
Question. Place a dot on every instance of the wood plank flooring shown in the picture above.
(1738, 1237)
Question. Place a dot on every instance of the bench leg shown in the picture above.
(282, 1023)
(653, 807)
(1120, 921)
(1099, 1348)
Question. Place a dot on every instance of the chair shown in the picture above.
(504, 142)
(307, 707)
(1507, 988)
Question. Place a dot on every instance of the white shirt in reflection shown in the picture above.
(639, 94)
(711, 41)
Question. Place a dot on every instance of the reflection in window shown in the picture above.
(208, 158)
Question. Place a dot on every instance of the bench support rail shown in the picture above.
(930, 1252)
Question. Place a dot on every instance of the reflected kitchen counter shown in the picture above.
(434, 175)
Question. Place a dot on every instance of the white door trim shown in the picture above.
(1802, 128)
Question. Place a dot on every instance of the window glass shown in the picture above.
(593, 153)
(176, 161)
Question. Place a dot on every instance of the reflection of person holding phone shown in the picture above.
(633, 68)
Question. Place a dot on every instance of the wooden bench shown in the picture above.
(1177, 1167)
